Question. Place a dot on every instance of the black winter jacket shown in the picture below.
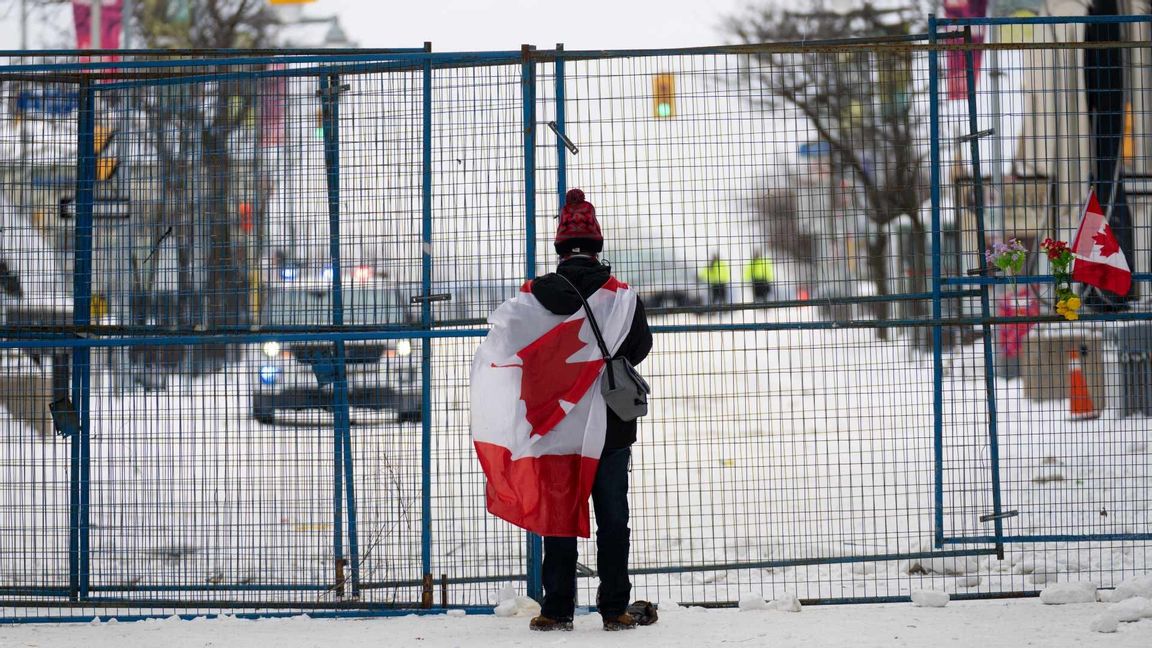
(556, 295)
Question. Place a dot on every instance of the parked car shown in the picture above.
(663, 281)
(294, 376)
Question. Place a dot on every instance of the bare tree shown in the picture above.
(784, 232)
(204, 24)
(192, 127)
(859, 101)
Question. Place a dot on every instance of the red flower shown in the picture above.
(1054, 249)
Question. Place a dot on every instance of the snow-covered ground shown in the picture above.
(972, 624)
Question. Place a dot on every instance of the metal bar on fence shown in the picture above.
(330, 89)
(1040, 20)
(937, 333)
(985, 310)
(70, 341)
(348, 68)
(535, 544)
(561, 148)
(105, 68)
(80, 469)
(426, 323)
(221, 53)
(1052, 537)
(150, 335)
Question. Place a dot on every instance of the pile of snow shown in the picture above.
(1064, 593)
(951, 566)
(1131, 587)
(1106, 622)
(511, 605)
(930, 598)
(788, 602)
(1040, 569)
(752, 601)
(1132, 609)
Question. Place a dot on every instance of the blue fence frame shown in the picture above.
(329, 71)
(983, 282)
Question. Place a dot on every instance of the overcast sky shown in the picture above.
(506, 24)
(455, 25)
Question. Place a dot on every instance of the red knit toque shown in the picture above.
(578, 228)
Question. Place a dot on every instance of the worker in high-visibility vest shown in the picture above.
(717, 276)
(761, 274)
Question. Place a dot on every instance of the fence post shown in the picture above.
(985, 311)
(528, 92)
(80, 468)
(426, 324)
(342, 438)
(561, 150)
(937, 342)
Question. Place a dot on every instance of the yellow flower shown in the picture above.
(1071, 315)
(1073, 303)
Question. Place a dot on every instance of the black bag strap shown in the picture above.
(595, 330)
(591, 318)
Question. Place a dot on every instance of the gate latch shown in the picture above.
(999, 516)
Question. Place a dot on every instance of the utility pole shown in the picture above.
(23, 24)
(126, 23)
(97, 7)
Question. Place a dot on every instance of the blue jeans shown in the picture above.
(610, 500)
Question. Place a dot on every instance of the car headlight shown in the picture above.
(271, 349)
(268, 375)
(403, 348)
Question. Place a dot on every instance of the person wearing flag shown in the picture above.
(542, 431)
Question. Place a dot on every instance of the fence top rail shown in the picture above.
(136, 80)
(223, 52)
(1043, 20)
(113, 68)
(834, 44)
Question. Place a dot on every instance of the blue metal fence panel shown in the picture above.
(252, 345)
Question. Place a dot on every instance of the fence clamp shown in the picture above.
(563, 138)
(333, 90)
(420, 299)
(977, 135)
(64, 417)
(999, 516)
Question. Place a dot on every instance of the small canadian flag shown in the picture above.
(1099, 260)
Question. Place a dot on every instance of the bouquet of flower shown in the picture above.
(1060, 258)
(1007, 257)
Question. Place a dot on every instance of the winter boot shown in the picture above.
(620, 622)
(545, 624)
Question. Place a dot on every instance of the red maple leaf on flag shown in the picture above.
(1107, 242)
(548, 378)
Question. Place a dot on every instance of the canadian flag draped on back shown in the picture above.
(538, 417)
(1099, 260)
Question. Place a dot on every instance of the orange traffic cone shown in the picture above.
(1080, 403)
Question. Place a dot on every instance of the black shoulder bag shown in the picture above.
(624, 389)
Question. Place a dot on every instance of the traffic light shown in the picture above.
(106, 165)
(664, 96)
